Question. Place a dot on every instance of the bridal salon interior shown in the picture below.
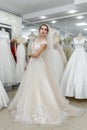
(48, 92)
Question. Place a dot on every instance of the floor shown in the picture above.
(7, 121)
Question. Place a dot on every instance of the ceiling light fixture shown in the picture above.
(72, 11)
(33, 30)
(53, 21)
(23, 26)
(79, 17)
(85, 29)
(43, 17)
(81, 24)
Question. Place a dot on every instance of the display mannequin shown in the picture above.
(31, 36)
(6, 35)
(79, 36)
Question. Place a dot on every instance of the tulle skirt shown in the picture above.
(37, 100)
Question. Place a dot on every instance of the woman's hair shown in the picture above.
(44, 25)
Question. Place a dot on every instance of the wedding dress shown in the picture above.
(7, 63)
(4, 99)
(21, 61)
(56, 42)
(36, 102)
(74, 81)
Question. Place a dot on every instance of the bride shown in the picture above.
(37, 100)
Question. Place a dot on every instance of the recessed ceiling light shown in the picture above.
(32, 30)
(72, 11)
(43, 17)
(85, 29)
(23, 26)
(81, 24)
(79, 17)
(53, 21)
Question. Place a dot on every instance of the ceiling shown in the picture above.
(23, 7)
(30, 11)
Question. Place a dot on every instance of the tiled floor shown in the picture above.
(7, 121)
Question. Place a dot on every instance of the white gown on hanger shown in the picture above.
(20, 66)
(4, 100)
(7, 63)
(74, 81)
(35, 101)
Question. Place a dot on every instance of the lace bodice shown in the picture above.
(79, 44)
(36, 45)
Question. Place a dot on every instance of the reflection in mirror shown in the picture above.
(68, 28)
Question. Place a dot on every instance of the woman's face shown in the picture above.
(43, 31)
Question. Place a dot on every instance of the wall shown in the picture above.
(13, 20)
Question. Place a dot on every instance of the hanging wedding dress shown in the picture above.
(56, 42)
(37, 100)
(74, 81)
(21, 60)
(68, 49)
(4, 99)
(31, 39)
(7, 63)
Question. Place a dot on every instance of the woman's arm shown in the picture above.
(40, 50)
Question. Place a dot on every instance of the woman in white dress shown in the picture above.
(36, 102)
(21, 59)
(7, 63)
(74, 81)
(4, 99)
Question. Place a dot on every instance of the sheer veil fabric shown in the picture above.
(53, 57)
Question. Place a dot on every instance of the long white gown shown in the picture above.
(21, 61)
(74, 81)
(36, 102)
(4, 99)
(7, 63)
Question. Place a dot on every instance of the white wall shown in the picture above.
(13, 20)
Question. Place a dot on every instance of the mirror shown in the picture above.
(68, 27)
